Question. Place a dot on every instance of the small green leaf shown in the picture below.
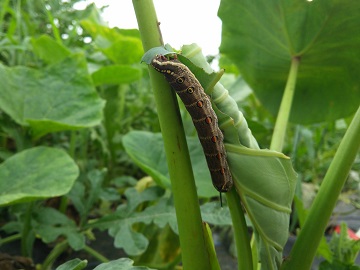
(50, 224)
(121, 47)
(121, 264)
(37, 173)
(150, 54)
(49, 50)
(75, 264)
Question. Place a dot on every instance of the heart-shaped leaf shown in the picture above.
(261, 37)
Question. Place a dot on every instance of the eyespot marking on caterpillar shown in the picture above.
(180, 80)
(204, 118)
(190, 90)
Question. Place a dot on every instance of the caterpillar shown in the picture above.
(198, 104)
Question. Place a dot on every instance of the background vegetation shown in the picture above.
(75, 103)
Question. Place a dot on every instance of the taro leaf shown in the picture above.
(75, 264)
(261, 37)
(116, 74)
(147, 151)
(49, 224)
(265, 181)
(121, 264)
(60, 97)
(36, 173)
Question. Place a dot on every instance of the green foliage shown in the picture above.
(265, 38)
(59, 97)
(74, 97)
(120, 264)
(49, 224)
(123, 263)
(344, 250)
(75, 264)
(40, 172)
(147, 150)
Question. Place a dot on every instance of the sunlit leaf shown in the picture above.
(75, 264)
(60, 97)
(36, 173)
(121, 47)
(121, 264)
(261, 38)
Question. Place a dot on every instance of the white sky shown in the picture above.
(182, 21)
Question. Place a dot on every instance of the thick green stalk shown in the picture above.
(304, 250)
(191, 234)
(278, 137)
(241, 235)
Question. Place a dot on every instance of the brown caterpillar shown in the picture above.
(204, 118)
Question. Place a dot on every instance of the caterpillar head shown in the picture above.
(171, 68)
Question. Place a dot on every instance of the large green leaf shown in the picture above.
(261, 37)
(265, 181)
(37, 173)
(59, 97)
(147, 151)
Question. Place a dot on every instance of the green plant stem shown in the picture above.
(242, 239)
(54, 254)
(10, 239)
(192, 240)
(322, 207)
(72, 146)
(26, 230)
(278, 137)
(96, 254)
